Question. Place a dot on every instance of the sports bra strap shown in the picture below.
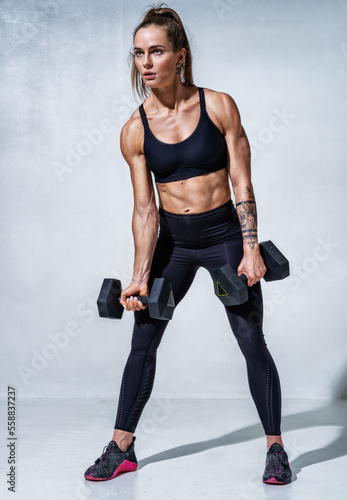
(143, 116)
(202, 99)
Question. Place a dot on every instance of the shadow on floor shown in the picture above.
(333, 414)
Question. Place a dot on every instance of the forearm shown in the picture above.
(145, 232)
(247, 212)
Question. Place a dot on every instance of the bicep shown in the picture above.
(239, 151)
(144, 197)
(141, 179)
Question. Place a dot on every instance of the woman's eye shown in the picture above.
(140, 53)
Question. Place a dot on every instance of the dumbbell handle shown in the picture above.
(143, 298)
(243, 278)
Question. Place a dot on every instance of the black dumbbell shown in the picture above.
(160, 302)
(232, 290)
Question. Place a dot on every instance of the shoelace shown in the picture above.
(279, 454)
(103, 453)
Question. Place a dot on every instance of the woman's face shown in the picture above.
(154, 57)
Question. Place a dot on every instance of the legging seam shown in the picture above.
(122, 401)
(147, 383)
(131, 410)
(267, 392)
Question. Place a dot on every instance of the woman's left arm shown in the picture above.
(239, 168)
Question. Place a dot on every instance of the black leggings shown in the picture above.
(185, 243)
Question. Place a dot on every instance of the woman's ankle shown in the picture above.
(274, 439)
(123, 439)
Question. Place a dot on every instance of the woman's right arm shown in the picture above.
(145, 216)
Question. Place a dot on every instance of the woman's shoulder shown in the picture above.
(131, 136)
(218, 98)
(133, 127)
(133, 121)
(221, 106)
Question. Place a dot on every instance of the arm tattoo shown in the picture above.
(247, 213)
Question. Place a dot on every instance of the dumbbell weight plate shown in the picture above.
(225, 278)
(276, 263)
(161, 302)
(108, 304)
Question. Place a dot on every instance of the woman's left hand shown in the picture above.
(252, 265)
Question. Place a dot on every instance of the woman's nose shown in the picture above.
(147, 60)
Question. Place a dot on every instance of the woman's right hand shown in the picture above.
(128, 297)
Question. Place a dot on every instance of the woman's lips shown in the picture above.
(149, 75)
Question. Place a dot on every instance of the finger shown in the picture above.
(133, 301)
(251, 280)
(130, 303)
(136, 304)
(123, 299)
(260, 275)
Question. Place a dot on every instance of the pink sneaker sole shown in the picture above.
(126, 466)
(272, 480)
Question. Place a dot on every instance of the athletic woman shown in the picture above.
(192, 140)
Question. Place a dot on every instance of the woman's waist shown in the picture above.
(200, 229)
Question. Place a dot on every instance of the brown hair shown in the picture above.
(169, 20)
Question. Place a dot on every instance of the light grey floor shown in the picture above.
(187, 449)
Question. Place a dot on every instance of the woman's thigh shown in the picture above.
(178, 266)
(246, 317)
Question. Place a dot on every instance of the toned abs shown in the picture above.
(195, 195)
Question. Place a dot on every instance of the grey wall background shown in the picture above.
(67, 197)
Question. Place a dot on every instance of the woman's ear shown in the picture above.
(182, 56)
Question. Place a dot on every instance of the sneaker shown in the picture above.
(277, 469)
(112, 462)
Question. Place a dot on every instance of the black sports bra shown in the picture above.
(204, 151)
